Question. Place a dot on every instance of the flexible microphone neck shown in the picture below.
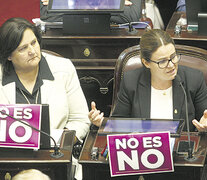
(190, 151)
(131, 28)
(56, 153)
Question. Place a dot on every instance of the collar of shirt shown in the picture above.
(44, 73)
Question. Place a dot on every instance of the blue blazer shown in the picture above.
(134, 96)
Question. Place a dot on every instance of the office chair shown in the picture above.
(129, 59)
(51, 52)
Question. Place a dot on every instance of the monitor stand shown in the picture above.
(86, 24)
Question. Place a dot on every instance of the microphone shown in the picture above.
(190, 150)
(131, 29)
(94, 153)
(56, 153)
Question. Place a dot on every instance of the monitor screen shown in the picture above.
(130, 125)
(86, 6)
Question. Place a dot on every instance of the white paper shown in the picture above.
(56, 134)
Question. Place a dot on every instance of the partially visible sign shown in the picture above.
(141, 153)
(15, 134)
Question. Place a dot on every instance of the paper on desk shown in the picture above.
(56, 134)
(38, 21)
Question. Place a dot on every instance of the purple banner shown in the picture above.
(141, 153)
(16, 134)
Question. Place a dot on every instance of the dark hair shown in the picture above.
(11, 33)
(152, 40)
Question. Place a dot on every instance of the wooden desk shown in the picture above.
(14, 160)
(94, 58)
(185, 37)
(55, 168)
(99, 169)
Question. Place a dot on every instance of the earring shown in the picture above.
(145, 63)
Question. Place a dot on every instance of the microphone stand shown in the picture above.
(131, 29)
(190, 151)
(56, 153)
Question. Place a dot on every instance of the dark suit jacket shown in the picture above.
(48, 16)
(134, 95)
(131, 13)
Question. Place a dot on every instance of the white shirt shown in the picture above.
(161, 104)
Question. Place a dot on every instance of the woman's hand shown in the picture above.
(95, 116)
(128, 3)
(202, 124)
(45, 2)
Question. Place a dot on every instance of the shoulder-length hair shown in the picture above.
(11, 33)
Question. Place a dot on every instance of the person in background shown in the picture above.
(154, 90)
(181, 5)
(31, 174)
(132, 12)
(48, 16)
(28, 76)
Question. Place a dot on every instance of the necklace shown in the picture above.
(28, 99)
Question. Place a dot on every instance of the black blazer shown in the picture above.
(134, 95)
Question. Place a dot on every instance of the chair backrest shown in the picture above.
(51, 52)
(129, 59)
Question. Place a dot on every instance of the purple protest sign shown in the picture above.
(15, 134)
(141, 153)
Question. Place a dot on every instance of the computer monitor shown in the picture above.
(139, 125)
(86, 16)
(86, 6)
(193, 8)
(202, 24)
